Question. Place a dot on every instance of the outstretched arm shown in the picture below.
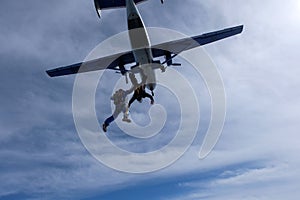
(127, 92)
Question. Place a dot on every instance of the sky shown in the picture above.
(256, 157)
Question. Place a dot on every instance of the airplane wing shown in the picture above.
(117, 61)
(114, 62)
(178, 46)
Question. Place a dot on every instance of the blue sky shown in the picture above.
(256, 157)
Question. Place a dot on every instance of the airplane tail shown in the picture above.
(109, 4)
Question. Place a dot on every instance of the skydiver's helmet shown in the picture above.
(120, 91)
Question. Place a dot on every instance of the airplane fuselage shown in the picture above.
(140, 44)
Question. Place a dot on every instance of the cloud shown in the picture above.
(247, 183)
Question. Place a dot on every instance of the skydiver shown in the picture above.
(139, 94)
(119, 99)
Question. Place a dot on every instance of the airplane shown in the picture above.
(143, 54)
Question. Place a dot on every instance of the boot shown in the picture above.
(104, 127)
(125, 119)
